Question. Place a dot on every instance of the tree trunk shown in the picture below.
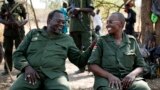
(157, 28)
(146, 24)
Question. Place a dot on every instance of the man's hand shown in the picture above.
(7, 23)
(114, 82)
(31, 75)
(128, 80)
(93, 43)
(76, 11)
(22, 23)
(4, 21)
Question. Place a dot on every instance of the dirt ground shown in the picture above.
(83, 81)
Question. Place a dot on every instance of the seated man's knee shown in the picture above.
(22, 84)
(15, 87)
(59, 83)
(101, 88)
(140, 85)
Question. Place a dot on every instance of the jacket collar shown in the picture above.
(125, 38)
(44, 33)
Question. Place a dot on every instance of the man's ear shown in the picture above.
(48, 21)
(121, 25)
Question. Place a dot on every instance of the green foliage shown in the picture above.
(52, 4)
(108, 6)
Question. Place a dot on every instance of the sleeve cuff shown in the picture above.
(21, 68)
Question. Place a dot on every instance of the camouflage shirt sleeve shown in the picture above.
(3, 10)
(77, 57)
(97, 52)
(19, 56)
(23, 11)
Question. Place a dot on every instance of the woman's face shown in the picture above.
(113, 24)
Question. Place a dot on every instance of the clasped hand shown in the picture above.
(120, 84)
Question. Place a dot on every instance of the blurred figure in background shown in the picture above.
(64, 10)
(97, 22)
(130, 20)
(79, 12)
(13, 17)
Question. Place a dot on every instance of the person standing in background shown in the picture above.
(130, 20)
(97, 22)
(64, 10)
(13, 17)
(79, 12)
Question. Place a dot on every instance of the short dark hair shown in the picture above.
(120, 17)
(52, 13)
(127, 5)
(65, 5)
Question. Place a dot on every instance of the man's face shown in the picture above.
(113, 24)
(56, 23)
(126, 8)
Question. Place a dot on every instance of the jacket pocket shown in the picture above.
(129, 58)
(109, 60)
(58, 49)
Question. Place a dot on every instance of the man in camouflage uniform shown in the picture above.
(79, 11)
(13, 17)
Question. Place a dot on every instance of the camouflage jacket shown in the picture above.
(13, 12)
